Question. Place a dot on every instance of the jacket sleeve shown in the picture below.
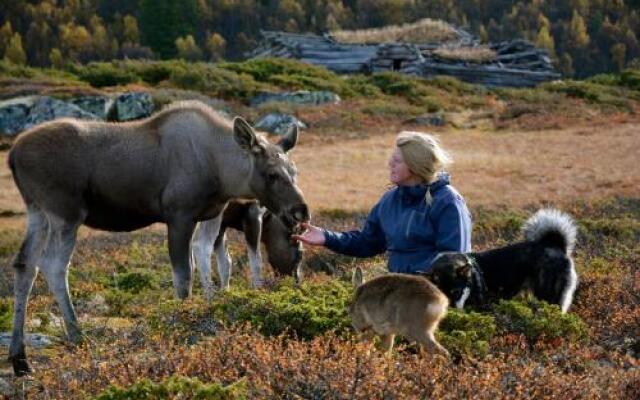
(453, 227)
(367, 242)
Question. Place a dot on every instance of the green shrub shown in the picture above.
(101, 74)
(10, 241)
(134, 282)
(176, 387)
(466, 332)
(6, 313)
(307, 311)
(631, 79)
(491, 225)
(118, 301)
(539, 320)
(391, 108)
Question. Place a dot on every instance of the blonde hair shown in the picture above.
(423, 155)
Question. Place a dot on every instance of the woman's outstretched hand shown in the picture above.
(312, 235)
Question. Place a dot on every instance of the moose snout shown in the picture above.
(300, 213)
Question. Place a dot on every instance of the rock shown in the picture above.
(5, 389)
(302, 97)
(47, 109)
(132, 105)
(430, 119)
(14, 113)
(278, 123)
(96, 105)
(36, 340)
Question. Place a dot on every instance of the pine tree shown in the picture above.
(6, 33)
(14, 52)
(618, 55)
(55, 58)
(163, 21)
(131, 32)
(578, 35)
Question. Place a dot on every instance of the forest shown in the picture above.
(584, 37)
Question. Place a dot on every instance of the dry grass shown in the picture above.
(424, 31)
(477, 54)
(510, 168)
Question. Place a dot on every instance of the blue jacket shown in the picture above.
(409, 230)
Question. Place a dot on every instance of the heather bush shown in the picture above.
(176, 387)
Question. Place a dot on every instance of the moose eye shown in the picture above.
(272, 176)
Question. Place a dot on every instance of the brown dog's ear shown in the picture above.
(357, 278)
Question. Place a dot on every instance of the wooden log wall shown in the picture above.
(518, 62)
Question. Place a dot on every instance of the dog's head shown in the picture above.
(456, 275)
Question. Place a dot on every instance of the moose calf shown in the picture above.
(398, 304)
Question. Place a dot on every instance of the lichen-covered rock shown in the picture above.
(301, 97)
(47, 109)
(96, 105)
(132, 105)
(278, 123)
(14, 113)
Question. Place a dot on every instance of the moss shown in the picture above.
(176, 387)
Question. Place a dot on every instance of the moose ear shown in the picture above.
(357, 278)
(244, 135)
(290, 139)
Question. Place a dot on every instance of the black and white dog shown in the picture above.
(541, 263)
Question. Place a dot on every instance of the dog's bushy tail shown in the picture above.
(553, 227)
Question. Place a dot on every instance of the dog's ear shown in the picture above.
(357, 279)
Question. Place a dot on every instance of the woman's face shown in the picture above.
(399, 172)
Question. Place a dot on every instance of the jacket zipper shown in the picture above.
(406, 234)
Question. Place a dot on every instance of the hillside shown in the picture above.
(570, 144)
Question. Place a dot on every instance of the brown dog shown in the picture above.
(398, 304)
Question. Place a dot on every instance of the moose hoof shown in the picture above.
(20, 366)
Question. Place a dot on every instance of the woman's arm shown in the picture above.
(454, 227)
(367, 242)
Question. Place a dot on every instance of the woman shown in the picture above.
(419, 218)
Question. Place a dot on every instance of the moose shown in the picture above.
(180, 166)
(258, 225)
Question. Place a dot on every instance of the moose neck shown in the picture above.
(235, 169)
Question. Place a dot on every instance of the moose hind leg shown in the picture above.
(55, 265)
(252, 227)
(201, 250)
(25, 270)
(224, 261)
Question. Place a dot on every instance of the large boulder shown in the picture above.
(47, 109)
(278, 123)
(14, 113)
(300, 97)
(132, 105)
(96, 105)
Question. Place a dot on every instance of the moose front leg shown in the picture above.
(180, 231)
